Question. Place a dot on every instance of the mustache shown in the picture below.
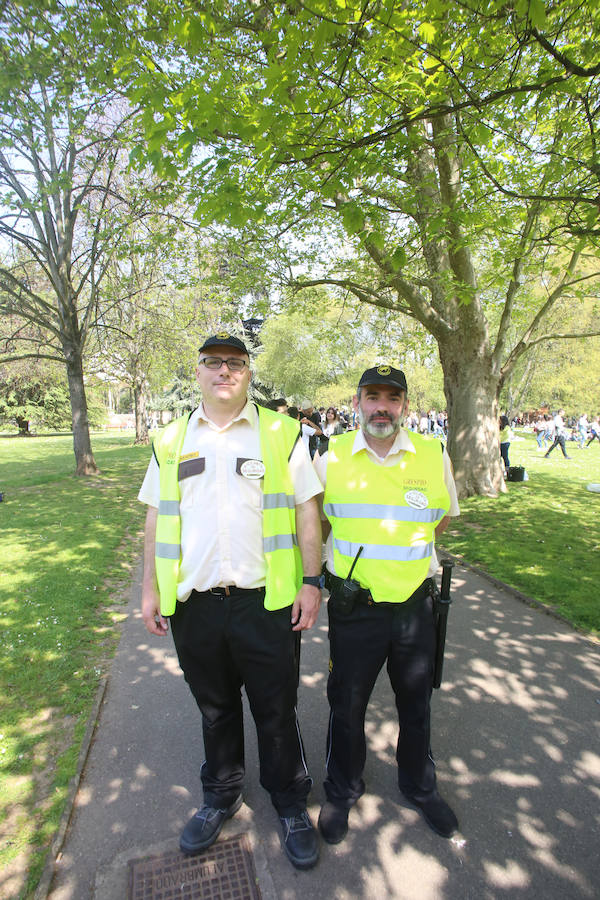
(381, 415)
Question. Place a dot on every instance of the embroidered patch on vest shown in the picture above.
(416, 499)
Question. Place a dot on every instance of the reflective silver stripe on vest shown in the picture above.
(279, 542)
(279, 501)
(382, 511)
(168, 507)
(167, 551)
(385, 551)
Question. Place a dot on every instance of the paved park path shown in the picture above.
(515, 733)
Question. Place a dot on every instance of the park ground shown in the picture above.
(67, 549)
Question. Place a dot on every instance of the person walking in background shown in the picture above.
(506, 437)
(559, 435)
(594, 431)
(582, 430)
(388, 493)
(540, 431)
(232, 562)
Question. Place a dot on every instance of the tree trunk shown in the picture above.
(141, 420)
(23, 425)
(84, 458)
(471, 391)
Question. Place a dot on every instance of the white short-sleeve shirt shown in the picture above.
(221, 509)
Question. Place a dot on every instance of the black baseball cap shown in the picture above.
(223, 339)
(384, 375)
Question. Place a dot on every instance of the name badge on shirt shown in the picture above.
(416, 499)
(250, 468)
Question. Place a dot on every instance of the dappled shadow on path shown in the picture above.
(514, 734)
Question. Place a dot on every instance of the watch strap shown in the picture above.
(314, 580)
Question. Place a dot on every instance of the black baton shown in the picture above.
(441, 605)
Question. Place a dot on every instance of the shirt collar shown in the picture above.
(402, 443)
(248, 414)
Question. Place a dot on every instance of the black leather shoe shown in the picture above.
(436, 813)
(333, 822)
(300, 840)
(203, 829)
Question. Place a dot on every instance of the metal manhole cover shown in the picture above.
(223, 872)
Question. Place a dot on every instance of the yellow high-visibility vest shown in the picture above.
(278, 436)
(389, 511)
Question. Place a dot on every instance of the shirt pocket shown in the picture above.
(250, 479)
(189, 474)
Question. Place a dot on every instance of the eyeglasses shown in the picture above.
(215, 362)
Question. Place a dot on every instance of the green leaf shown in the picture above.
(398, 259)
(376, 239)
(537, 14)
(353, 218)
(427, 31)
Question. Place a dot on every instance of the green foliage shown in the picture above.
(446, 153)
(293, 358)
(561, 373)
(38, 395)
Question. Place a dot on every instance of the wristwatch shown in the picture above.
(315, 580)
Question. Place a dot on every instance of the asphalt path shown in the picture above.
(514, 733)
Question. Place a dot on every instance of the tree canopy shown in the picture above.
(448, 153)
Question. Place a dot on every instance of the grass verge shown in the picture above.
(543, 536)
(65, 547)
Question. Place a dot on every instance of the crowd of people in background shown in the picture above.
(318, 425)
(551, 431)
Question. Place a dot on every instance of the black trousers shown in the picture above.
(224, 643)
(401, 635)
(559, 441)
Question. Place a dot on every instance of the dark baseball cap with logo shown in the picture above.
(384, 375)
(223, 339)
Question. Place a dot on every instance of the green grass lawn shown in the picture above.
(66, 550)
(542, 536)
(66, 544)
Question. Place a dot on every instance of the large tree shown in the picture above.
(454, 144)
(61, 212)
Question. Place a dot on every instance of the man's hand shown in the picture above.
(154, 622)
(306, 607)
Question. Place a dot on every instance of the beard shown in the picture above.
(379, 429)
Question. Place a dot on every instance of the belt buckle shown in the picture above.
(220, 592)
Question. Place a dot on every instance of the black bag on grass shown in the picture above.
(516, 473)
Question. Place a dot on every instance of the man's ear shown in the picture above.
(355, 403)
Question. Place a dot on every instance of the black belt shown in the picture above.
(365, 598)
(228, 591)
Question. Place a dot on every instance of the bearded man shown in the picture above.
(387, 495)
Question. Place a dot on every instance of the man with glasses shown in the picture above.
(387, 496)
(232, 560)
